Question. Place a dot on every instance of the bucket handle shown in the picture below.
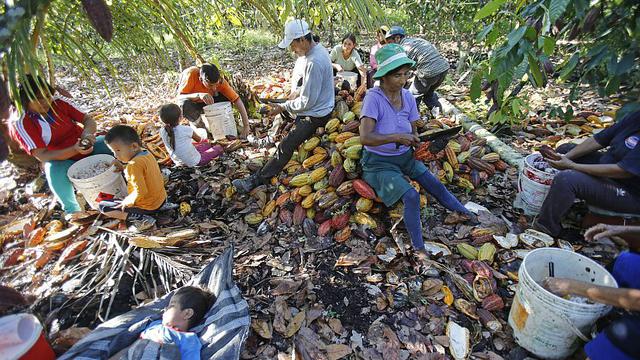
(573, 328)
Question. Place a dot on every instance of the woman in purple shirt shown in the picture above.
(388, 117)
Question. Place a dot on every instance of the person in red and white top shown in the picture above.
(56, 133)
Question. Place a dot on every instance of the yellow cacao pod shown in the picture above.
(320, 150)
(466, 184)
(486, 252)
(342, 137)
(311, 143)
(322, 184)
(302, 154)
(268, 208)
(468, 251)
(307, 202)
(332, 125)
(293, 169)
(491, 157)
(463, 157)
(353, 152)
(364, 219)
(300, 180)
(253, 219)
(332, 137)
(317, 175)
(352, 141)
(350, 165)
(313, 160)
(448, 169)
(336, 159)
(311, 213)
(305, 190)
(364, 204)
(454, 146)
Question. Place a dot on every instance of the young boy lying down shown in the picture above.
(186, 309)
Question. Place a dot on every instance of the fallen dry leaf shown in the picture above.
(262, 328)
(337, 351)
(295, 324)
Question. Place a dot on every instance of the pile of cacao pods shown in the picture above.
(321, 190)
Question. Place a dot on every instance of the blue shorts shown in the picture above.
(620, 340)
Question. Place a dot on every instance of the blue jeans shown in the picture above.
(59, 183)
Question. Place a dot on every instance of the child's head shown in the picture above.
(187, 307)
(124, 142)
(35, 94)
(170, 114)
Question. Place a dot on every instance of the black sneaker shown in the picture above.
(138, 223)
(246, 185)
(167, 206)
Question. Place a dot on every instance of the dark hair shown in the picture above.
(191, 297)
(210, 72)
(316, 38)
(170, 116)
(308, 37)
(351, 37)
(33, 87)
(123, 133)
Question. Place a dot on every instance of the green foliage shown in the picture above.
(599, 47)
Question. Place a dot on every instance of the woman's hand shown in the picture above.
(559, 286)
(563, 164)
(80, 148)
(274, 110)
(206, 98)
(600, 231)
(338, 67)
(407, 139)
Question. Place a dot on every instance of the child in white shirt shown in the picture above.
(178, 139)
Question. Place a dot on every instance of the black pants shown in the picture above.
(305, 127)
(193, 110)
(427, 87)
(569, 185)
(106, 206)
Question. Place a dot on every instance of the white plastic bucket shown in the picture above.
(349, 76)
(548, 325)
(533, 184)
(108, 182)
(219, 120)
(21, 337)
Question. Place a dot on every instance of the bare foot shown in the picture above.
(424, 261)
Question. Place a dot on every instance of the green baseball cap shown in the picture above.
(391, 57)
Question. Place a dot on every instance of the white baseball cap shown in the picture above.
(294, 29)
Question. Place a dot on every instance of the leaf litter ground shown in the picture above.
(322, 299)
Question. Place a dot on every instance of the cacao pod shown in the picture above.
(324, 228)
(332, 125)
(364, 219)
(305, 190)
(307, 202)
(489, 320)
(299, 214)
(342, 137)
(350, 165)
(353, 152)
(500, 165)
(100, 17)
(336, 159)
(468, 251)
(285, 217)
(363, 189)
(311, 143)
(327, 200)
(342, 235)
(364, 204)
(311, 213)
(348, 116)
(345, 189)
(300, 180)
(309, 228)
(482, 287)
(313, 160)
(493, 302)
(352, 141)
(322, 184)
(283, 198)
(351, 126)
(253, 219)
(268, 208)
(337, 176)
(339, 221)
(317, 175)
(486, 252)
(490, 157)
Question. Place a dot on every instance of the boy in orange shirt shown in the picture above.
(202, 86)
(145, 184)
